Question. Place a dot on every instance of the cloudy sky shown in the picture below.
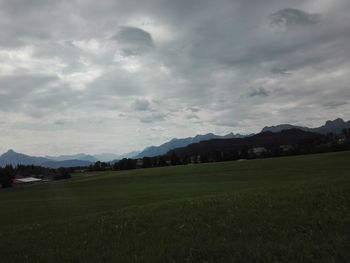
(119, 75)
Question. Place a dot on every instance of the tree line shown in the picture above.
(318, 144)
(307, 145)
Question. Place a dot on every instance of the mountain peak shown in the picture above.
(338, 121)
(280, 127)
(10, 152)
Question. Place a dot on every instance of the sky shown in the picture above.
(119, 75)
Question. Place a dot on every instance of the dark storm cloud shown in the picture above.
(290, 17)
(258, 92)
(142, 105)
(134, 41)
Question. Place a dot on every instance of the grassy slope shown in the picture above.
(294, 209)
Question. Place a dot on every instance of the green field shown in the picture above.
(291, 209)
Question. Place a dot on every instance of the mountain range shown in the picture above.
(336, 126)
(79, 160)
(263, 139)
(14, 158)
(178, 143)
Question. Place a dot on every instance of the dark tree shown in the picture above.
(161, 161)
(204, 158)
(244, 152)
(174, 159)
(147, 162)
(126, 164)
(6, 176)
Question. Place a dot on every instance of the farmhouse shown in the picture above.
(257, 150)
(26, 180)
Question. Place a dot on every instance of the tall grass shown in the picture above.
(292, 209)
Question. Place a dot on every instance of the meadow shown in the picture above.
(290, 209)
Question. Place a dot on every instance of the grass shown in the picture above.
(292, 209)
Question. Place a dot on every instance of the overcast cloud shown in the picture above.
(120, 75)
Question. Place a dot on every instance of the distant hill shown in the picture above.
(108, 157)
(66, 164)
(264, 139)
(336, 126)
(79, 156)
(178, 143)
(13, 158)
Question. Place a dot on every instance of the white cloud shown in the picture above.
(96, 75)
